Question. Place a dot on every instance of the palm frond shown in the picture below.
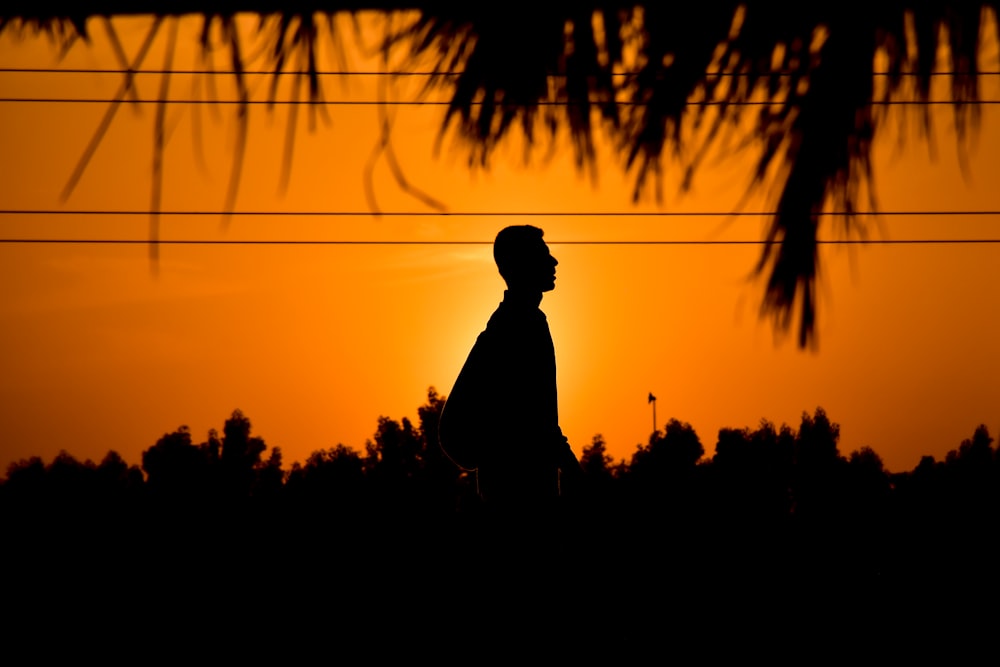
(643, 72)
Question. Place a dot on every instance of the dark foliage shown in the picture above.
(777, 528)
(764, 478)
(794, 82)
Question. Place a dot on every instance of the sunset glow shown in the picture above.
(101, 347)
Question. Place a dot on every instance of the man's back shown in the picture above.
(502, 416)
(519, 456)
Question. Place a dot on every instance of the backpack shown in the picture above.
(464, 416)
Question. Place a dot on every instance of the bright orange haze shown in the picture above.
(313, 342)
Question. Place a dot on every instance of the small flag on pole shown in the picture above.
(652, 399)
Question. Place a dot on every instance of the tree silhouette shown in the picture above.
(240, 458)
(445, 486)
(676, 448)
(595, 460)
(641, 66)
(175, 468)
(752, 472)
(774, 508)
(332, 482)
(818, 467)
(869, 487)
(268, 476)
(394, 454)
(641, 73)
(598, 485)
(663, 473)
(972, 475)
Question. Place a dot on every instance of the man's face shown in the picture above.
(542, 269)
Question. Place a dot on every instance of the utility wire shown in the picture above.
(494, 214)
(394, 242)
(445, 103)
(452, 214)
(268, 72)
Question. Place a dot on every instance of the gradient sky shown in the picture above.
(100, 351)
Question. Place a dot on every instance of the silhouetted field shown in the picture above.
(777, 532)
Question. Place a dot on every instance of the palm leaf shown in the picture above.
(642, 71)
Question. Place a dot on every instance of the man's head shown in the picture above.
(524, 260)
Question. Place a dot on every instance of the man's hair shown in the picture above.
(511, 246)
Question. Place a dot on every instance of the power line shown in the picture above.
(268, 72)
(489, 214)
(396, 242)
(444, 103)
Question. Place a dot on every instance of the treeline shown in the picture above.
(400, 469)
(390, 546)
(764, 476)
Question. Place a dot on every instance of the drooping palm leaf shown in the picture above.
(644, 70)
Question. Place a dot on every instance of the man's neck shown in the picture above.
(520, 297)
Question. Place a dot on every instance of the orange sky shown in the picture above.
(313, 343)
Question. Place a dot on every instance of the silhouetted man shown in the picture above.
(502, 418)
